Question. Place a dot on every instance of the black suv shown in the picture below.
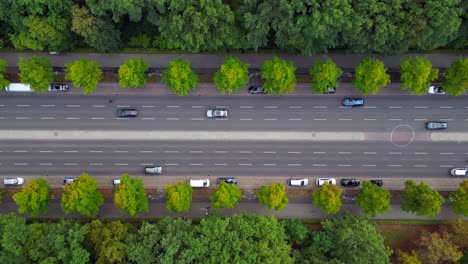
(350, 182)
(227, 180)
(126, 112)
(377, 182)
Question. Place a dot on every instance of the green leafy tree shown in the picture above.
(324, 75)
(132, 73)
(279, 76)
(142, 246)
(460, 199)
(36, 72)
(328, 199)
(438, 247)
(84, 74)
(456, 78)
(108, 241)
(295, 230)
(14, 243)
(373, 199)
(33, 198)
(81, 196)
(355, 240)
(420, 199)
(130, 195)
(408, 258)
(417, 74)
(232, 75)
(98, 33)
(225, 196)
(254, 20)
(3, 81)
(273, 196)
(180, 77)
(179, 197)
(177, 242)
(370, 76)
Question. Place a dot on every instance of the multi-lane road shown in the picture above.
(386, 137)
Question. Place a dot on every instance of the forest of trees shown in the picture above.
(300, 26)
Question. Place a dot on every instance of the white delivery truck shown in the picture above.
(18, 87)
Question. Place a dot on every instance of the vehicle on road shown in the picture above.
(353, 102)
(200, 183)
(68, 180)
(116, 181)
(434, 125)
(331, 90)
(377, 182)
(298, 182)
(350, 182)
(459, 172)
(435, 90)
(216, 113)
(153, 170)
(19, 87)
(256, 90)
(227, 180)
(322, 181)
(57, 87)
(13, 181)
(127, 112)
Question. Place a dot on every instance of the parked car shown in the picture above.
(331, 90)
(200, 183)
(350, 182)
(256, 90)
(116, 181)
(377, 182)
(322, 181)
(68, 180)
(298, 182)
(216, 113)
(127, 112)
(434, 125)
(435, 90)
(227, 180)
(353, 102)
(153, 170)
(459, 172)
(13, 181)
(57, 87)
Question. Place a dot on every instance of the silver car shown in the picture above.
(13, 181)
(68, 180)
(216, 113)
(153, 170)
(322, 181)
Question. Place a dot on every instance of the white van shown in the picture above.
(200, 183)
(19, 87)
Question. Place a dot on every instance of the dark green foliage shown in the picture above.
(421, 199)
(142, 41)
(108, 241)
(460, 199)
(295, 231)
(373, 199)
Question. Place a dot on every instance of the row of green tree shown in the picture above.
(300, 26)
(82, 196)
(278, 75)
(215, 239)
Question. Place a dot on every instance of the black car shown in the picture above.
(377, 182)
(127, 112)
(434, 125)
(350, 182)
(256, 90)
(352, 102)
(227, 180)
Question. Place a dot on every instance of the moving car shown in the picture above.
(256, 90)
(227, 180)
(127, 112)
(200, 183)
(459, 172)
(57, 87)
(68, 180)
(433, 125)
(352, 102)
(13, 181)
(435, 90)
(377, 182)
(322, 181)
(350, 182)
(216, 113)
(298, 182)
(153, 170)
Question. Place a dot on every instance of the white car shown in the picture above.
(216, 113)
(13, 181)
(116, 181)
(435, 90)
(153, 170)
(322, 181)
(298, 182)
(459, 172)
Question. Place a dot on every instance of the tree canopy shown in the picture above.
(132, 73)
(84, 74)
(279, 76)
(373, 199)
(328, 198)
(36, 72)
(81, 196)
(460, 199)
(3, 81)
(456, 78)
(108, 241)
(417, 74)
(178, 197)
(232, 75)
(180, 77)
(130, 195)
(324, 75)
(273, 196)
(33, 198)
(370, 76)
(420, 199)
(225, 196)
